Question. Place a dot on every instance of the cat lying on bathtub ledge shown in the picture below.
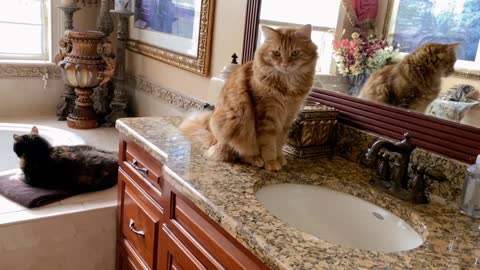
(79, 168)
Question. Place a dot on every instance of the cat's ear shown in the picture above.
(304, 31)
(454, 45)
(34, 131)
(269, 32)
(16, 137)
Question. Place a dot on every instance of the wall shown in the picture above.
(227, 38)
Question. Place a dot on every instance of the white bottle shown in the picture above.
(216, 83)
(470, 199)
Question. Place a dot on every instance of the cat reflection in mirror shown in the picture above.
(78, 168)
(259, 101)
(414, 82)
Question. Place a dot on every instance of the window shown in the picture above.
(322, 15)
(24, 28)
(414, 22)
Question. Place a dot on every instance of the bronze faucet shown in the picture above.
(391, 170)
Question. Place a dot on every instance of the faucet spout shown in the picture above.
(372, 153)
(400, 171)
(405, 147)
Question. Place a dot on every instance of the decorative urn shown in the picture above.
(86, 60)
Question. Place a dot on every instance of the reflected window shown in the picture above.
(323, 18)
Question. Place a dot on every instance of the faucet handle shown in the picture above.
(419, 184)
(436, 175)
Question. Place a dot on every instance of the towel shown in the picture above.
(28, 196)
(461, 93)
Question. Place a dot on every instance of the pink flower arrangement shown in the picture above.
(362, 55)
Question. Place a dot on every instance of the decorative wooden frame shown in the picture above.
(445, 137)
(200, 64)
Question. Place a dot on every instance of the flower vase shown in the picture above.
(86, 61)
(356, 83)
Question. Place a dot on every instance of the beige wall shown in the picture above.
(228, 29)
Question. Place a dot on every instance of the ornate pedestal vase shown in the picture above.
(86, 62)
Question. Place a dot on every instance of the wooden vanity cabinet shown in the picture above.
(159, 228)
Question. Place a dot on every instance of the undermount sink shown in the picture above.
(338, 217)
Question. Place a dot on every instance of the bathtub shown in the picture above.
(59, 235)
(9, 160)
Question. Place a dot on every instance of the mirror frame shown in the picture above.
(461, 142)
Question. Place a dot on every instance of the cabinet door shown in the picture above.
(173, 255)
(140, 218)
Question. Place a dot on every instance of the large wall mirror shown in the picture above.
(447, 121)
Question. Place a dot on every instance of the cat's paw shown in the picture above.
(254, 161)
(213, 153)
(272, 165)
(282, 160)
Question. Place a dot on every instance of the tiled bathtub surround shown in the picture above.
(226, 193)
(353, 143)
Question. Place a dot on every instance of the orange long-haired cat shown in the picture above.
(414, 82)
(259, 101)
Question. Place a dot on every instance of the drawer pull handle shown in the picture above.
(131, 225)
(136, 167)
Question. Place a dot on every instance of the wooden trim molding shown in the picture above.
(461, 142)
(445, 137)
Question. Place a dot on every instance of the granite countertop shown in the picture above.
(226, 192)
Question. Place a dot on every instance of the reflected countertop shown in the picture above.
(226, 193)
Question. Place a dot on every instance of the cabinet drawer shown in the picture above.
(140, 218)
(174, 255)
(130, 259)
(142, 167)
(213, 248)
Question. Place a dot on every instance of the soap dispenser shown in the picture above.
(216, 83)
(470, 199)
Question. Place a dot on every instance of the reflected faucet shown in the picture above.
(391, 172)
(399, 173)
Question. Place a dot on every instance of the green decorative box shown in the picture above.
(314, 131)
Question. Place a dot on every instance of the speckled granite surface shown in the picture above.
(226, 192)
(353, 143)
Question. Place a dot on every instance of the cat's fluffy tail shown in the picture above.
(197, 127)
